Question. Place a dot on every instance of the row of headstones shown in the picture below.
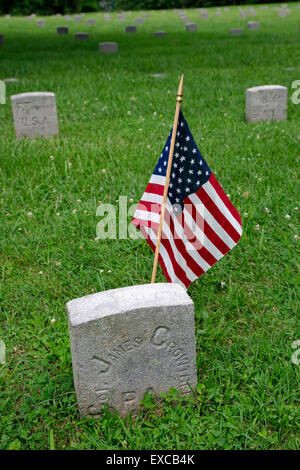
(35, 113)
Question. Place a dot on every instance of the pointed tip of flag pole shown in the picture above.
(180, 90)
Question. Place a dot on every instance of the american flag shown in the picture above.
(200, 224)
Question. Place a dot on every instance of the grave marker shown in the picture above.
(266, 103)
(131, 29)
(159, 33)
(81, 36)
(129, 341)
(191, 27)
(35, 114)
(253, 25)
(62, 30)
(108, 47)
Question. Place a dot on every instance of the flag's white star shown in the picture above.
(194, 150)
(179, 180)
(189, 180)
(198, 182)
(181, 124)
(201, 162)
(199, 172)
(178, 133)
(180, 169)
(191, 172)
(187, 138)
(170, 194)
(192, 162)
(207, 173)
(173, 175)
(178, 190)
(177, 144)
(182, 159)
(175, 165)
(159, 170)
(187, 190)
(185, 149)
(177, 199)
(176, 154)
(165, 163)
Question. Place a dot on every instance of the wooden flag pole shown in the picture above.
(163, 206)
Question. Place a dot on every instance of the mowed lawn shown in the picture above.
(114, 118)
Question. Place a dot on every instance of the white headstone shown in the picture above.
(139, 21)
(35, 114)
(253, 25)
(41, 23)
(108, 47)
(129, 341)
(90, 22)
(191, 27)
(266, 103)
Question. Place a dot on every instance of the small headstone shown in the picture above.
(1, 39)
(253, 25)
(78, 18)
(41, 23)
(159, 33)
(11, 80)
(204, 15)
(35, 114)
(236, 31)
(62, 30)
(108, 47)
(266, 103)
(131, 29)
(90, 22)
(81, 36)
(139, 21)
(191, 27)
(253, 12)
(68, 17)
(129, 341)
(243, 14)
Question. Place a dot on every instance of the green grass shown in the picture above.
(247, 394)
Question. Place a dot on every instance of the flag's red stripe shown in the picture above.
(217, 214)
(145, 223)
(153, 207)
(220, 191)
(208, 232)
(155, 189)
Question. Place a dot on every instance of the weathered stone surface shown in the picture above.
(129, 341)
(139, 21)
(108, 47)
(35, 114)
(253, 25)
(266, 103)
(78, 18)
(130, 29)
(41, 23)
(1, 39)
(62, 30)
(81, 36)
(243, 14)
(236, 31)
(191, 27)
(90, 22)
(159, 33)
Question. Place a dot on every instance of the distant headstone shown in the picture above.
(159, 33)
(1, 39)
(236, 31)
(35, 114)
(62, 30)
(243, 14)
(266, 103)
(131, 29)
(108, 47)
(191, 27)
(81, 36)
(68, 17)
(41, 23)
(139, 21)
(253, 25)
(90, 22)
(129, 341)
(253, 12)
(78, 18)
(204, 15)
(10, 80)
